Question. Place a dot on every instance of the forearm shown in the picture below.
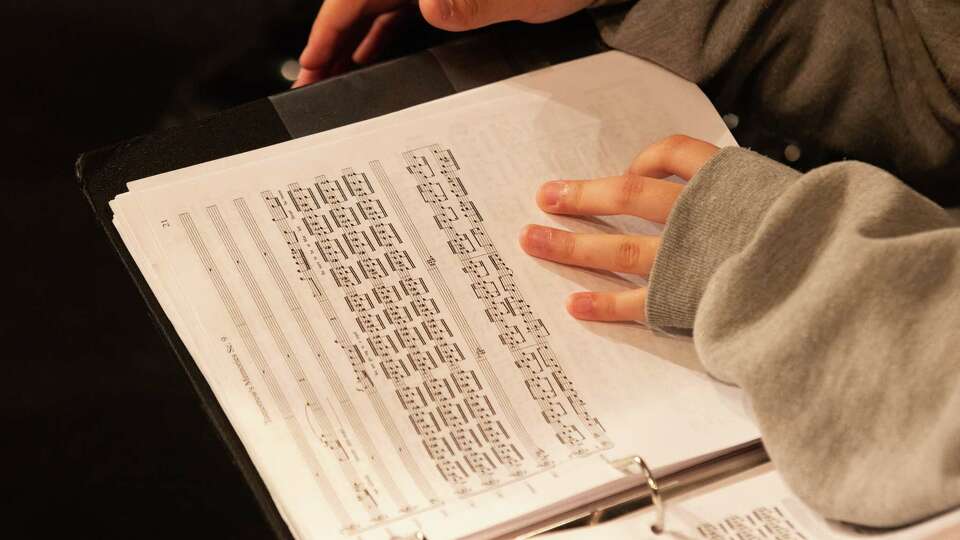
(834, 302)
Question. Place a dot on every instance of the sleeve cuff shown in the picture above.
(715, 216)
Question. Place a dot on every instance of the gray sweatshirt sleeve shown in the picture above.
(833, 299)
(872, 80)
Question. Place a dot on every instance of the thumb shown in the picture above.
(458, 15)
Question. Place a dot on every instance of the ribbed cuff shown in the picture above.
(715, 216)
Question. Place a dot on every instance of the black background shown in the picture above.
(102, 432)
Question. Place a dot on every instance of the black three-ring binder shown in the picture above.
(478, 59)
(472, 61)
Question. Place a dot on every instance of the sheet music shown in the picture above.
(755, 505)
(389, 357)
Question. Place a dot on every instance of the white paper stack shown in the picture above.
(390, 359)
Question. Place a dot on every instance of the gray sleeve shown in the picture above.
(872, 80)
(833, 299)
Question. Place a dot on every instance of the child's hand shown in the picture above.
(639, 192)
(354, 31)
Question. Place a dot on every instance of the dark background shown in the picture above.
(103, 434)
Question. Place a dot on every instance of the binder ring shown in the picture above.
(655, 495)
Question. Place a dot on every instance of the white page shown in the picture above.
(696, 116)
(756, 505)
(690, 113)
(503, 149)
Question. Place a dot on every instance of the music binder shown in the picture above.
(104, 173)
(641, 488)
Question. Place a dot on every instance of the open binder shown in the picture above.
(448, 69)
(641, 488)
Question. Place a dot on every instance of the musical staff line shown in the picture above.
(253, 349)
(437, 175)
(319, 354)
(308, 273)
(453, 306)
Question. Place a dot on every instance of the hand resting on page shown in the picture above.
(641, 192)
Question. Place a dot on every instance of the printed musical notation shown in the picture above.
(293, 425)
(412, 352)
(345, 231)
(521, 332)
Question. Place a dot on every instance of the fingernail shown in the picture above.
(581, 304)
(538, 239)
(552, 192)
(446, 9)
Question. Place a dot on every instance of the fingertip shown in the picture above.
(436, 12)
(460, 15)
(522, 238)
(306, 76)
(535, 240)
(581, 305)
(550, 195)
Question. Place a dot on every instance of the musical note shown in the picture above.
(493, 283)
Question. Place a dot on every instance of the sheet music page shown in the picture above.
(389, 357)
(755, 505)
